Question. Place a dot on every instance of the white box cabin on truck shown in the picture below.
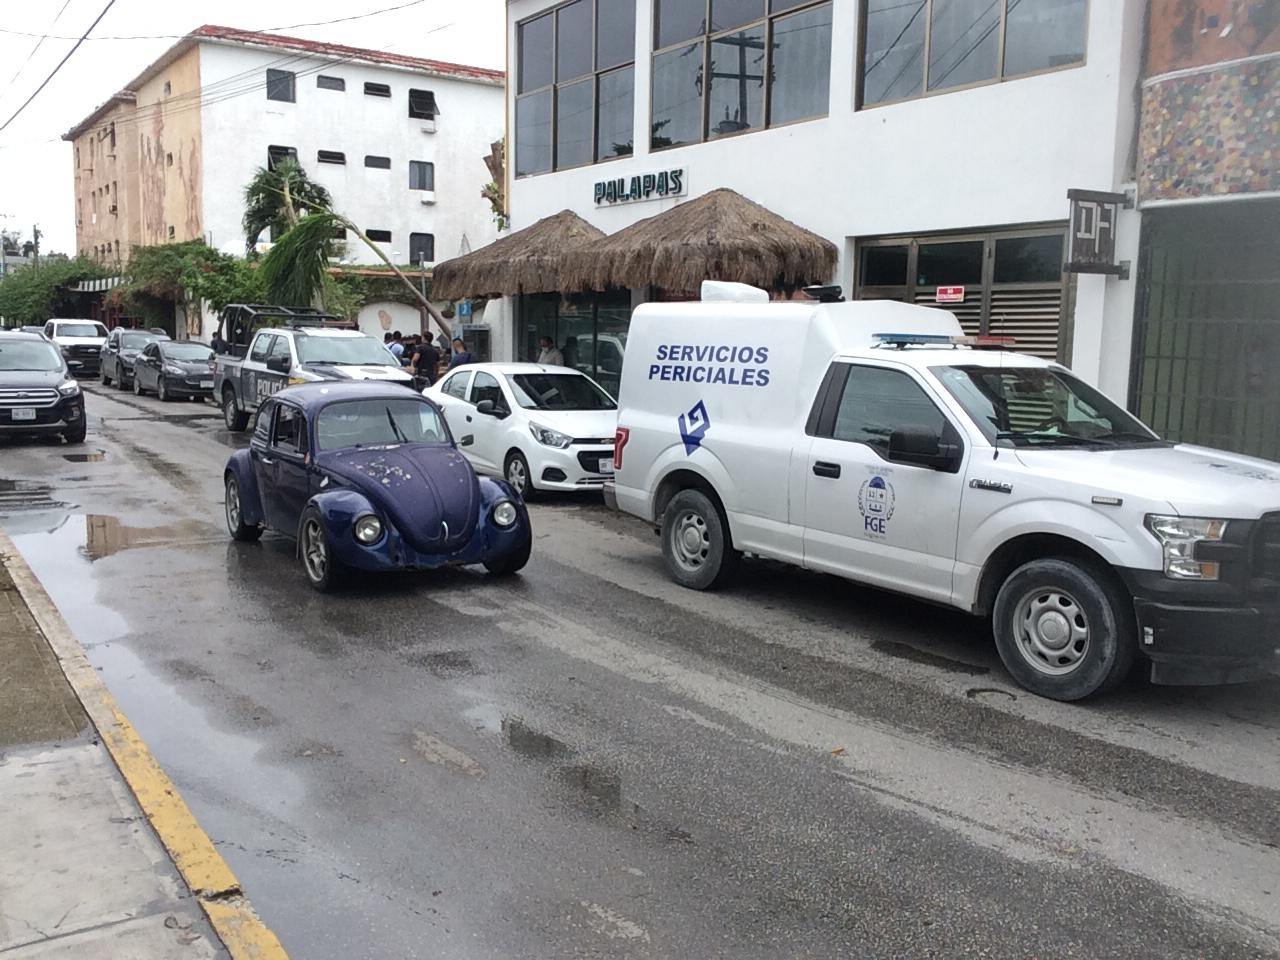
(997, 483)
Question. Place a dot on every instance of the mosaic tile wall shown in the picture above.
(1212, 133)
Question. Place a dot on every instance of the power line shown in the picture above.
(26, 103)
(36, 48)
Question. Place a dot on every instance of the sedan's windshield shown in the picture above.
(79, 330)
(186, 351)
(344, 351)
(559, 391)
(1039, 406)
(375, 422)
(29, 355)
(136, 341)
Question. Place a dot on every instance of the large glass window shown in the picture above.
(575, 86)
(751, 65)
(919, 46)
(590, 331)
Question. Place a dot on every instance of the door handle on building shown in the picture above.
(823, 469)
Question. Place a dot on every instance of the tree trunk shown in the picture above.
(426, 304)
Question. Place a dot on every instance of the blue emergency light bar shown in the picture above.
(940, 339)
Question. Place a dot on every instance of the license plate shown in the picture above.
(24, 413)
(606, 466)
(206, 384)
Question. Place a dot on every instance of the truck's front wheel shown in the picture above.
(1064, 629)
(695, 542)
(235, 418)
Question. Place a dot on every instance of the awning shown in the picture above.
(719, 236)
(527, 261)
(96, 286)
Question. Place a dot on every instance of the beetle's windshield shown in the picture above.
(1040, 407)
(378, 422)
(344, 351)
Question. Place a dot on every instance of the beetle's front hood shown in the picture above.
(428, 491)
(1195, 481)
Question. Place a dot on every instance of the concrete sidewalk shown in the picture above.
(82, 873)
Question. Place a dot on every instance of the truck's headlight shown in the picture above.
(68, 388)
(548, 437)
(368, 529)
(505, 513)
(1179, 536)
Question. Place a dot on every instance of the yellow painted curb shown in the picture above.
(216, 888)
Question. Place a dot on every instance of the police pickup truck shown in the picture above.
(269, 348)
(874, 441)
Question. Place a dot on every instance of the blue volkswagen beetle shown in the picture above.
(366, 477)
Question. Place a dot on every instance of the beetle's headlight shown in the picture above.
(1179, 536)
(68, 388)
(505, 513)
(368, 529)
(549, 437)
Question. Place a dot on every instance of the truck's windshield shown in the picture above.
(86, 329)
(1038, 406)
(343, 351)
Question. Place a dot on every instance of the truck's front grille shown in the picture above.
(27, 397)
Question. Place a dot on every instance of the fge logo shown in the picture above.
(694, 426)
(875, 503)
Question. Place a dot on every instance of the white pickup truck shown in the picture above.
(873, 441)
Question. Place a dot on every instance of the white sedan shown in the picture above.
(540, 427)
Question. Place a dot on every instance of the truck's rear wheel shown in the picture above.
(695, 542)
(1064, 629)
(236, 419)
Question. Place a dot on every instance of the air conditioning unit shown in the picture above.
(427, 196)
(428, 126)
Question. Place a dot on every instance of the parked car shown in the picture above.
(121, 352)
(367, 477)
(38, 395)
(542, 428)
(36, 330)
(874, 441)
(81, 343)
(174, 369)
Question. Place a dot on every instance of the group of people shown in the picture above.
(421, 356)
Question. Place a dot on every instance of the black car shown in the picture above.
(121, 351)
(38, 395)
(174, 368)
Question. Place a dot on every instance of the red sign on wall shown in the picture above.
(949, 295)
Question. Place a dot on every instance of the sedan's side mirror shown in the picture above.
(490, 408)
(922, 447)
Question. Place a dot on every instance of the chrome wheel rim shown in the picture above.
(161, 392)
(228, 410)
(690, 540)
(1051, 631)
(315, 556)
(137, 387)
(516, 474)
(233, 505)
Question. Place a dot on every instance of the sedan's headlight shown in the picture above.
(548, 437)
(1179, 536)
(68, 388)
(368, 529)
(505, 513)
(172, 371)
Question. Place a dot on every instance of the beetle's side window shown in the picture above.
(261, 347)
(291, 429)
(876, 402)
(456, 386)
(262, 429)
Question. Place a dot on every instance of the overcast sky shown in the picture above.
(35, 164)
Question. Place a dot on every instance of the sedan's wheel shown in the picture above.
(1064, 629)
(324, 571)
(517, 474)
(161, 391)
(235, 514)
(137, 385)
(695, 542)
(119, 378)
(106, 381)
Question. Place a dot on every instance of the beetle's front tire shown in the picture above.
(1064, 629)
(512, 562)
(234, 508)
(696, 544)
(325, 572)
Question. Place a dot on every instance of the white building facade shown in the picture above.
(932, 141)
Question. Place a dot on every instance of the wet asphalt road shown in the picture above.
(587, 761)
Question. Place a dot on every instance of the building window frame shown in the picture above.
(422, 104)
(278, 153)
(282, 85)
(705, 40)
(375, 162)
(553, 88)
(999, 77)
(425, 167)
(379, 90)
(327, 82)
(378, 236)
(331, 156)
(422, 249)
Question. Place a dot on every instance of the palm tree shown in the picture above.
(277, 196)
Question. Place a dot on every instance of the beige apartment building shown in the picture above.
(106, 169)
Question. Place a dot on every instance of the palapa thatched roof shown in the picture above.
(719, 236)
(527, 261)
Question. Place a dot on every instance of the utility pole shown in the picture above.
(35, 241)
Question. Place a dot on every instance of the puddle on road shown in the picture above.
(96, 457)
(528, 742)
(904, 651)
(106, 535)
(23, 495)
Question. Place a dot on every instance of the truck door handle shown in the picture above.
(823, 469)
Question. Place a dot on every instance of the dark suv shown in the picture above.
(121, 352)
(37, 392)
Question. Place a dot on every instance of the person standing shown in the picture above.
(397, 346)
(461, 355)
(550, 356)
(426, 361)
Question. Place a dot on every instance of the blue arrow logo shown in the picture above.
(694, 426)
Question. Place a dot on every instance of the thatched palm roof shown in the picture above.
(719, 236)
(527, 261)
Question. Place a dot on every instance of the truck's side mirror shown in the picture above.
(923, 447)
(278, 364)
